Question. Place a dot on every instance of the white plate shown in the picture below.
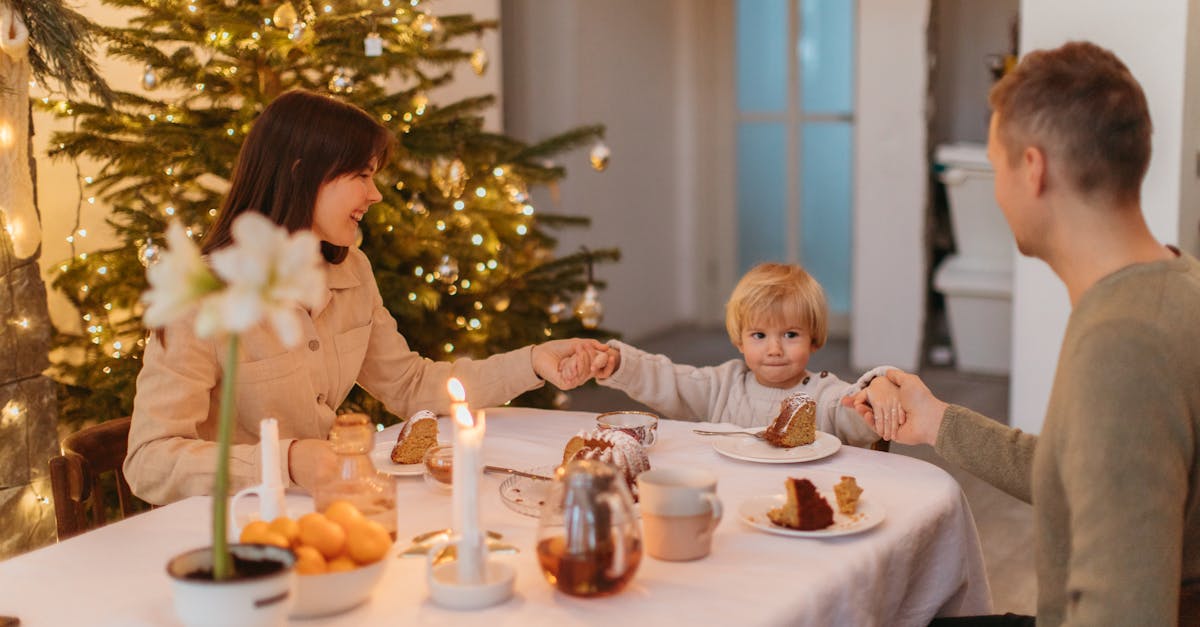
(753, 512)
(756, 450)
(381, 456)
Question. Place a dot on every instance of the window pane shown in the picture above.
(827, 56)
(826, 178)
(762, 32)
(761, 193)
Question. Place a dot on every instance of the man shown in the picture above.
(1113, 475)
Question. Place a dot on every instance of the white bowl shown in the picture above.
(330, 593)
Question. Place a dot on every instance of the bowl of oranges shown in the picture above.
(339, 556)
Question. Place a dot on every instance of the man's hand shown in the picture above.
(922, 410)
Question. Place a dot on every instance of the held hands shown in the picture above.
(568, 363)
(922, 411)
(883, 402)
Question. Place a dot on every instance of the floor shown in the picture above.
(1005, 524)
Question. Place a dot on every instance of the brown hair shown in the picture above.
(301, 141)
(1082, 107)
(777, 291)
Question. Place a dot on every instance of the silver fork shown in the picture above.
(753, 434)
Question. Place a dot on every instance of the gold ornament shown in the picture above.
(599, 157)
(500, 303)
(450, 176)
(149, 78)
(589, 310)
(419, 102)
(285, 17)
(149, 253)
(447, 270)
(479, 61)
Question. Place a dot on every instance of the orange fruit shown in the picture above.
(343, 513)
(367, 541)
(253, 532)
(287, 528)
(309, 561)
(341, 563)
(322, 534)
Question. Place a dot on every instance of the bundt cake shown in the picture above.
(805, 509)
(419, 434)
(796, 424)
(847, 493)
(614, 447)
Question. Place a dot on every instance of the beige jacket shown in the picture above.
(349, 339)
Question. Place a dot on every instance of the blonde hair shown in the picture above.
(777, 292)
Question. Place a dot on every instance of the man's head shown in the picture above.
(1073, 121)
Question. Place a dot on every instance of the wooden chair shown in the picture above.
(75, 476)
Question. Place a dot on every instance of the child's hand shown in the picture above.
(884, 398)
(604, 364)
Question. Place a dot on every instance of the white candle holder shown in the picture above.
(448, 590)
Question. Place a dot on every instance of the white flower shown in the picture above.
(268, 274)
(178, 281)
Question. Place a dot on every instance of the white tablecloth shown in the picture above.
(923, 560)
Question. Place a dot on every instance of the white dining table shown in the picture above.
(923, 559)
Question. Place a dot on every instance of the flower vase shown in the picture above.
(259, 594)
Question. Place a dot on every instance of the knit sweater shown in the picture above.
(730, 393)
(1113, 477)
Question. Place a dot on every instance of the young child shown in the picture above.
(776, 317)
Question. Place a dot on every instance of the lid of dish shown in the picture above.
(963, 155)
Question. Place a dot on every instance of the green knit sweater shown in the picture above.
(1114, 476)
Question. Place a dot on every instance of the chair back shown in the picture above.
(76, 477)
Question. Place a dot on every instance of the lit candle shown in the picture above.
(271, 498)
(468, 442)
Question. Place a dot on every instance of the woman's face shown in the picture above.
(341, 204)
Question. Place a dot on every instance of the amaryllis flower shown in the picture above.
(178, 281)
(268, 274)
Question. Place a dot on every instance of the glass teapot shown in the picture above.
(589, 540)
(356, 480)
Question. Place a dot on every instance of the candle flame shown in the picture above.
(463, 417)
(457, 393)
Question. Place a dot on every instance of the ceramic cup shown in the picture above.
(642, 425)
(680, 510)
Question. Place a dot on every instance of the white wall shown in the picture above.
(967, 32)
(58, 186)
(890, 184)
(1153, 39)
(574, 62)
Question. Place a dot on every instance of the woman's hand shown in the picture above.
(577, 358)
(311, 462)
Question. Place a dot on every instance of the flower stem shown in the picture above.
(222, 560)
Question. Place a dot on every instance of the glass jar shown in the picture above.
(355, 478)
(589, 541)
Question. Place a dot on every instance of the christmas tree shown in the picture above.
(464, 262)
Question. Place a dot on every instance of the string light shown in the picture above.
(459, 205)
(522, 229)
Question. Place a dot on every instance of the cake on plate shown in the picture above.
(419, 434)
(847, 493)
(805, 508)
(614, 447)
(796, 424)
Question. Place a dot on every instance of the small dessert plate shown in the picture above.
(381, 456)
(755, 450)
(753, 512)
(526, 495)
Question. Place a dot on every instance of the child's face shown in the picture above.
(776, 352)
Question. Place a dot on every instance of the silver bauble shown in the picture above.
(149, 78)
(599, 157)
(341, 82)
(149, 253)
(447, 269)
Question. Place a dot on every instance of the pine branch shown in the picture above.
(61, 46)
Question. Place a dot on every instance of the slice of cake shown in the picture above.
(847, 493)
(419, 434)
(796, 424)
(614, 447)
(805, 509)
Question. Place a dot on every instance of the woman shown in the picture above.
(308, 163)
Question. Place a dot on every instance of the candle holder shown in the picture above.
(448, 590)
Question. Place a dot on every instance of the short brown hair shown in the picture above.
(1082, 107)
(777, 291)
(301, 141)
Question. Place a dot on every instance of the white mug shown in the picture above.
(680, 510)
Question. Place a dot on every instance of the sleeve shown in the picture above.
(998, 454)
(407, 382)
(844, 422)
(1124, 463)
(168, 456)
(677, 392)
